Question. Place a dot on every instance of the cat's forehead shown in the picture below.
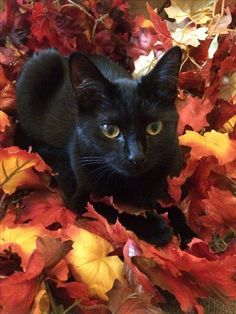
(129, 103)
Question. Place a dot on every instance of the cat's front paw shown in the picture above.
(156, 231)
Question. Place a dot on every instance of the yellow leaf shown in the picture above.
(210, 144)
(20, 239)
(4, 121)
(228, 126)
(89, 262)
(144, 64)
(189, 35)
(228, 88)
(199, 11)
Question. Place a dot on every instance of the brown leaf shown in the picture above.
(53, 250)
(124, 299)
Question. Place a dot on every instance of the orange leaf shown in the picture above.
(210, 144)
(220, 217)
(17, 169)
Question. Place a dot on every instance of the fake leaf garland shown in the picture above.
(50, 261)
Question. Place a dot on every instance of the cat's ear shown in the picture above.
(162, 80)
(86, 79)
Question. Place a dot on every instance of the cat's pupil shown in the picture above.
(154, 128)
(110, 130)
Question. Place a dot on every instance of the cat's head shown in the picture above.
(128, 126)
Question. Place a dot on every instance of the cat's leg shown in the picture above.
(151, 228)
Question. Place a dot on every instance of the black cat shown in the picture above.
(104, 132)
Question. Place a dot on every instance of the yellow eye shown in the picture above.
(154, 128)
(110, 130)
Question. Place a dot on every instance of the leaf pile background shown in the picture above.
(52, 262)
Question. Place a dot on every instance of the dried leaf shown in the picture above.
(199, 11)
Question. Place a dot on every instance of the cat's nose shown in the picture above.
(136, 159)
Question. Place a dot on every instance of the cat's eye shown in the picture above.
(110, 130)
(154, 128)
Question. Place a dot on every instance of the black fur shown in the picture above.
(62, 103)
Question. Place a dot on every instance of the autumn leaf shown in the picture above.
(144, 64)
(192, 112)
(41, 302)
(7, 93)
(220, 217)
(20, 239)
(46, 208)
(229, 125)
(199, 11)
(160, 27)
(20, 289)
(90, 261)
(114, 233)
(19, 168)
(228, 88)
(124, 299)
(210, 144)
(189, 35)
(4, 121)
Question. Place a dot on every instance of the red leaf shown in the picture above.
(115, 234)
(220, 217)
(46, 208)
(160, 27)
(7, 93)
(192, 112)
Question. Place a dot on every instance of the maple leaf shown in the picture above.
(7, 93)
(219, 24)
(124, 299)
(17, 169)
(21, 239)
(172, 268)
(189, 35)
(4, 121)
(229, 125)
(192, 111)
(144, 64)
(90, 261)
(20, 289)
(220, 217)
(46, 208)
(115, 233)
(199, 11)
(228, 88)
(6, 129)
(160, 27)
(210, 144)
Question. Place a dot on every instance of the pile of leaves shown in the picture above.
(52, 262)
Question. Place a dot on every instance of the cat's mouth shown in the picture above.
(131, 171)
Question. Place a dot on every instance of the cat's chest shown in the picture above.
(136, 191)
